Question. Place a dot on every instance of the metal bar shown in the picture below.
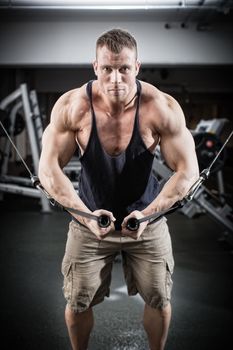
(12, 117)
(16, 179)
(32, 138)
(25, 191)
(36, 118)
(10, 98)
(16, 149)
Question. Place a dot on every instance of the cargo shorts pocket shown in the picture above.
(169, 282)
(77, 295)
(67, 282)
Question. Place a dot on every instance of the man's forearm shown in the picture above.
(59, 186)
(174, 190)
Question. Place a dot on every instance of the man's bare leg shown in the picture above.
(156, 323)
(79, 327)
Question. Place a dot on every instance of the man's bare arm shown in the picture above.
(58, 146)
(178, 149)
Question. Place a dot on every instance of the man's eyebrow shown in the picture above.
(110, 66)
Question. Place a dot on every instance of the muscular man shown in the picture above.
(116, 122)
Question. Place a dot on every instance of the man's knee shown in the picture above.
(165, 312)
(152, 313)
(73, 316)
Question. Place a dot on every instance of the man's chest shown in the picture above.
(114, 134)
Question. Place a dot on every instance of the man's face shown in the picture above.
(116, 73)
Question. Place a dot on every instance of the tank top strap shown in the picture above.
(89, 91)
(139, 89)
(139, 86)
(136, 120)
(89, 94)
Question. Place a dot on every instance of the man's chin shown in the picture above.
(117, 95)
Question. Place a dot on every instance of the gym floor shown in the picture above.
(32, 304)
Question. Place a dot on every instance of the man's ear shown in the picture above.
(95, 66)
(138, 65)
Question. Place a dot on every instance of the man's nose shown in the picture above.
(116, 77)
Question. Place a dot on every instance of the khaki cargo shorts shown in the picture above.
(87, 264)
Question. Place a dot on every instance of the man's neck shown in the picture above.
(115, 109)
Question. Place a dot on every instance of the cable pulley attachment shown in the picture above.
(103, 220)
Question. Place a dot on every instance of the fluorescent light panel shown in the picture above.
(113, 2)
(109, 4)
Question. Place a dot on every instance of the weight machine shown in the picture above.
(18, 103)
(207, 142)
(19, 110)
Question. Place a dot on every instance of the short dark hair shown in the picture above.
(116, 39)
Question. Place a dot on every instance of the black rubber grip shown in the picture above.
(133, 224)
(104, 221)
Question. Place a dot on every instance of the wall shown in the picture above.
(69, 39)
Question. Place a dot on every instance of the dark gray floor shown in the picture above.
(32, 304)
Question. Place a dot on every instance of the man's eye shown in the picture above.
(106, 69)
(125, 69)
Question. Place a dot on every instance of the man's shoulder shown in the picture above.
(151, 92)
(161, 108)
(155, 99)
(73, 100)
(74, 96)
(71, 107)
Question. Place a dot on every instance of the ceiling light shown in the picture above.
(110, 4)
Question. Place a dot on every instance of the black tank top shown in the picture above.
(121, 183)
